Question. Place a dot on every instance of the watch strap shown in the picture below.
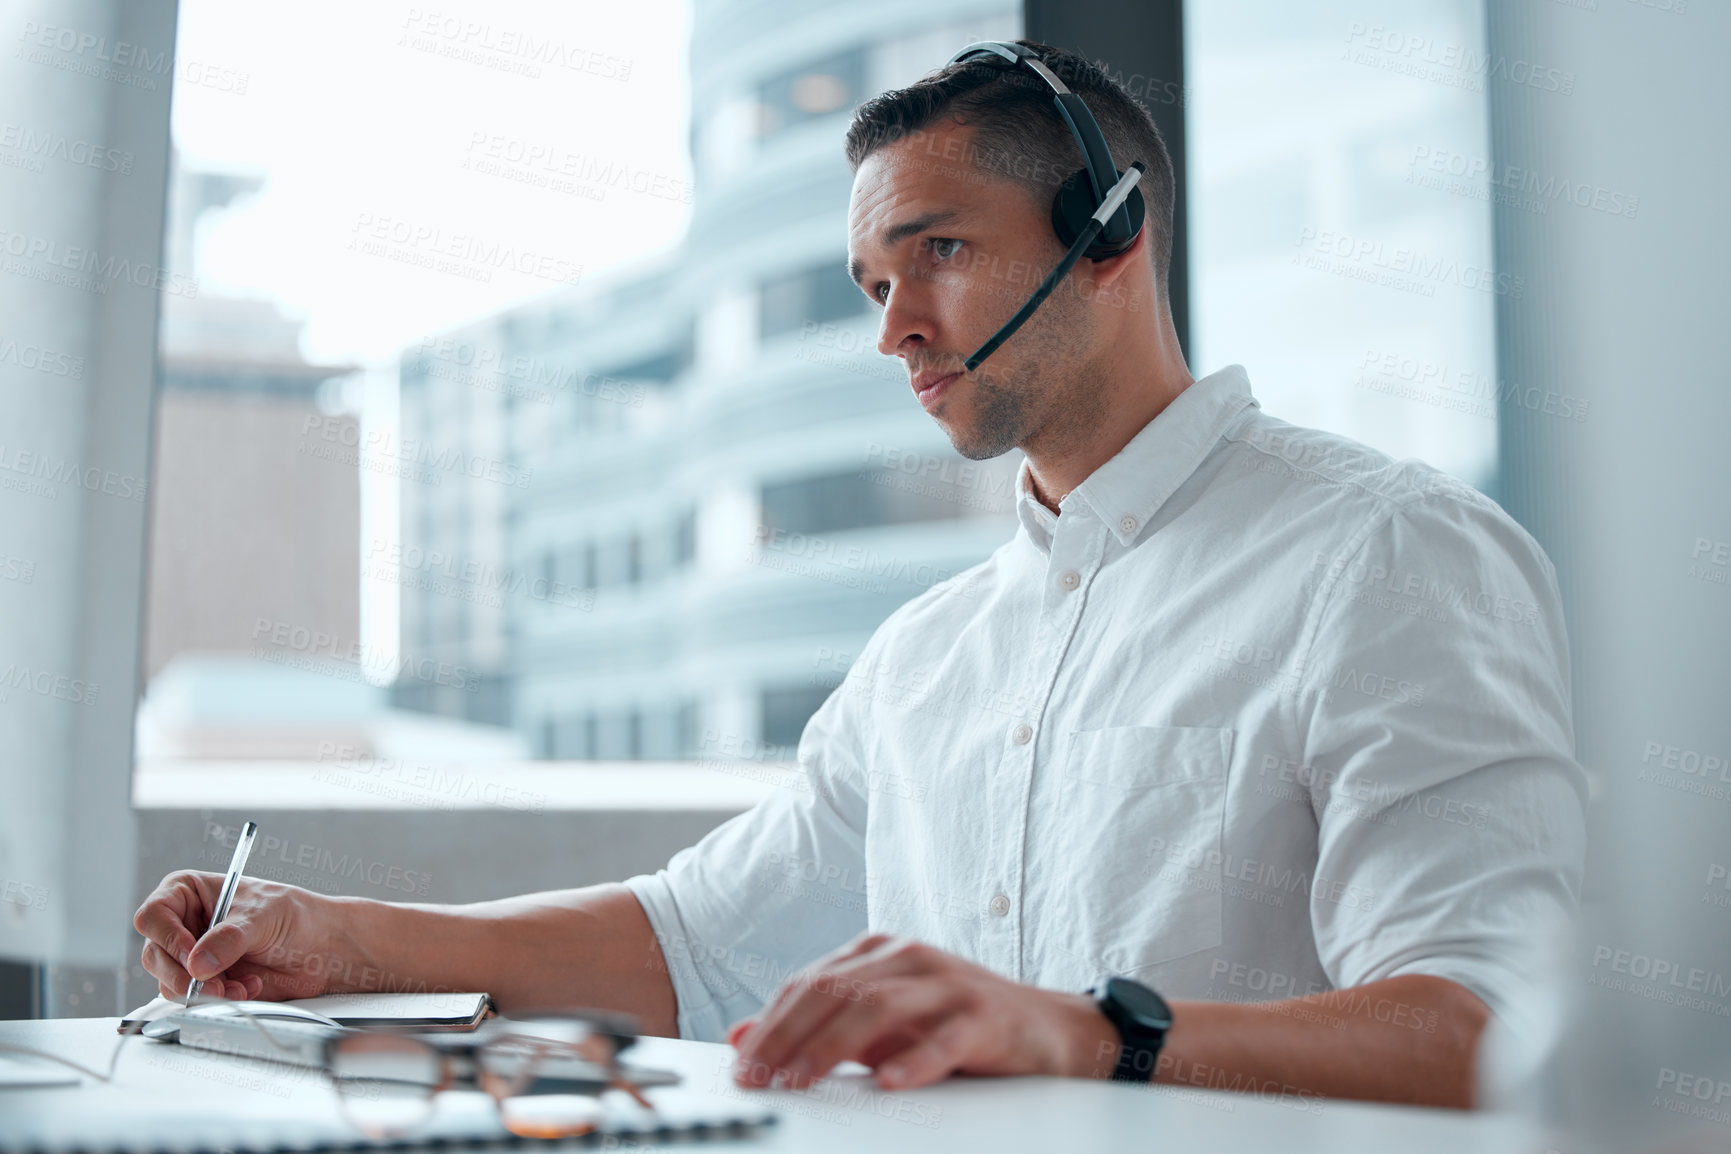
(1139, 1045)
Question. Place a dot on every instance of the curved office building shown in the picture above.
(720, 488)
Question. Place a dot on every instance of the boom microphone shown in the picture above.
(1114, 198)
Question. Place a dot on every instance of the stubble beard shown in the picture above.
(1050, 401)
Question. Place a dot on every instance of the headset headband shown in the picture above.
(1102, 173)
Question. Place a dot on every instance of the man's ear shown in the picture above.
(1111, 272)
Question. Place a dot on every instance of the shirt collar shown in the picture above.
(1129, 489)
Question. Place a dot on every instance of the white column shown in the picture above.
(1615, 116)
(85, 88)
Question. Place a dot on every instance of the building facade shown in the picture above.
(709, 486)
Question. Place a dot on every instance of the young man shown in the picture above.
(1246, 716)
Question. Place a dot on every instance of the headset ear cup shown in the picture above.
(1075, 203)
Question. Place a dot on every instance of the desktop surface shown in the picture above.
(164, 1097)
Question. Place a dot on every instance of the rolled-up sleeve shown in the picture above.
(767, 892)
(1450, 808)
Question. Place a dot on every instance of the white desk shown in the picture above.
(195, 1100)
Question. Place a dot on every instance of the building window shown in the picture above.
(785, 712)
(660, 368)
(566, 739)
(866, 498)
(686, 724)
(685, 539)
(573, 568)
(820, 88)
(815, 295)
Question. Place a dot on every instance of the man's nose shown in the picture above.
(907, 323)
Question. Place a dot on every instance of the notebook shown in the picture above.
(440, 1011)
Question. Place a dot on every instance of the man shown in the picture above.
(1246, 715)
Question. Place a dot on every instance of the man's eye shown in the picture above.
(944, 247)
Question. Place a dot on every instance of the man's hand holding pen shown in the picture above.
(277, 942)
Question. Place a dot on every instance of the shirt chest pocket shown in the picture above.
(1145, 807)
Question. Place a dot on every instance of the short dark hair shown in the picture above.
(1018, 134)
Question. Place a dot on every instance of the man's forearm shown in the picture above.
(589, 947)
(1409, 1039)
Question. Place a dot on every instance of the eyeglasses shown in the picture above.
(100, 1075)
(545, 1073)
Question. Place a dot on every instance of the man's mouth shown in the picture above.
(930, 385)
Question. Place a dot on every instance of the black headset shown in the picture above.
(1098, 211)
(1080, 196)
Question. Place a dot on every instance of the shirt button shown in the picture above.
(1022, 734)
(1069, 578)
(1128, 524)
(1000, 906)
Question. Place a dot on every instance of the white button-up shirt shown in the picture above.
(1259, 713)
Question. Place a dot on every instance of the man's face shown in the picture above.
(949, 253)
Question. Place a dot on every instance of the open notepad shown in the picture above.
(439, 1011)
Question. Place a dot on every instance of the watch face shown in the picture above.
(1143, 1005)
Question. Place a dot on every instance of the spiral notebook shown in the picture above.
(166, 1098)
(223, 1122)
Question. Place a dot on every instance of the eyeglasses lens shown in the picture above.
(386, 1083)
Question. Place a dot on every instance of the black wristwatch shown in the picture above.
(1141, 1018)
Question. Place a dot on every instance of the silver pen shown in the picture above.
(230, 883)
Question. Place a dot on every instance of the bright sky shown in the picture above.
(368, 119)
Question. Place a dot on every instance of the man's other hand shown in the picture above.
(915, 1015)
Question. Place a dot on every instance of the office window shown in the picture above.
(440, 406)
(1340, 221)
